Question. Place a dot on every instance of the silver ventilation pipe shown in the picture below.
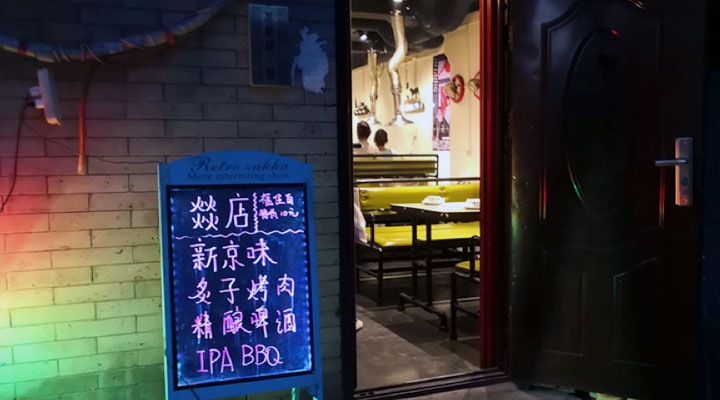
(374, 84)
(398, 25)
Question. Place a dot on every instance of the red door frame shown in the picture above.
(490, 162)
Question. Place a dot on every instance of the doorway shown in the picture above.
(418, 299)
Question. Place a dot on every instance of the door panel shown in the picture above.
(605, 266)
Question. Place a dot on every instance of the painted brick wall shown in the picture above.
(80, 306)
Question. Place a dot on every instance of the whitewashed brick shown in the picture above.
(47, 203)
(124, 201)
(23, 223)
(126, 273)
(49, 278)
(125, 91)
(24, 185)
(26, 298)
(124, 128)
(94, 292)
(25, 261)
(89, 220)
(265, 145)
(144, 218)
(144, 183)
(124, 237)
(40, 166)
(122, 308)
(124, 165)
(164, 111)
(222, 111)
(225, 76)
(94, 146)
(51, 314)
(48, 241)
(163, 74)
(88, 184)
(100, 327)
(200, 93)
(90, 257)
(165, 146)
(200, 58)
(201, 128)
(147, 253)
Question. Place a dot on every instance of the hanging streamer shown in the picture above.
(50, 53)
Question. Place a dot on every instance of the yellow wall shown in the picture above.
(462, 47)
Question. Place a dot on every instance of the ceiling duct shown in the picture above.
(374, 85)
(425, 22)
(398, 57)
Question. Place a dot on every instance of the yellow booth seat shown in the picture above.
(380, 198)
(401, 236)
(465, 265)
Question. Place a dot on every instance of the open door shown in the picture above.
(604, 263)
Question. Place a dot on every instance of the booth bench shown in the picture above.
(387, 231)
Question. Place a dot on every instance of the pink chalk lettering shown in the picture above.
(202, 326)
(289, 199)
(259, 253)
(233, 322)
(259, 319)
(286, 321)
(203, 206)
(266, 214)
(238, 217)
(265, 200)
(203, 258)
(230, 289)
(231, 253)
(278, 198)
(260, 355)
(200, 208)
(216, 355)
(202, 294)
(286, 285)
(201, 353)
(258, 288)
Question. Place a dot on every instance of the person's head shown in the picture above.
(363, 131)
(381, 138)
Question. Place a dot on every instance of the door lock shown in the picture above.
(683, 163)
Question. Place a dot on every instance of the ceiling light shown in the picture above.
(363, 36)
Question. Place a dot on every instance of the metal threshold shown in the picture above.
(430, 386)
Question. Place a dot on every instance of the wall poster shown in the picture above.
(238, 275)
(441, 104)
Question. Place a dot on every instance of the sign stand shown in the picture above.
(239, 274)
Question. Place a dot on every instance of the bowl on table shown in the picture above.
(433, 200)
(472, 203)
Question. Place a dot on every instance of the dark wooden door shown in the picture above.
(604, 265)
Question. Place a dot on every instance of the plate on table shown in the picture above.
(472, 204)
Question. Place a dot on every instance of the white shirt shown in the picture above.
(366, 148)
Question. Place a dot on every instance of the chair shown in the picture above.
(468, 270)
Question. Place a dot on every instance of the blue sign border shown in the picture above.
(237, 168)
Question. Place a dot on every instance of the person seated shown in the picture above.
(381, 139)
(363, 134)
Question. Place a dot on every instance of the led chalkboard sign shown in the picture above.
(238, 273)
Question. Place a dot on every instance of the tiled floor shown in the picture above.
(500, 392)
(398, 347)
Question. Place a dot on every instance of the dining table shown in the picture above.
(429, 215)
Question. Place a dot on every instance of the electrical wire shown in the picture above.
(75, 152)
(18, 134)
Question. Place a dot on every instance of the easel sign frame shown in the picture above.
(221, 173)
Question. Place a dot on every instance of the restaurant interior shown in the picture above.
(416, 164)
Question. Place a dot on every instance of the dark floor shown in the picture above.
(505, 391)
(397, 347)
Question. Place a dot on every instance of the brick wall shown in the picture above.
(80, 306)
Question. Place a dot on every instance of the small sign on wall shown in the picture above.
(269, 52)
(239, 275)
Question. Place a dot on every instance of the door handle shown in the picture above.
(683, 170)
